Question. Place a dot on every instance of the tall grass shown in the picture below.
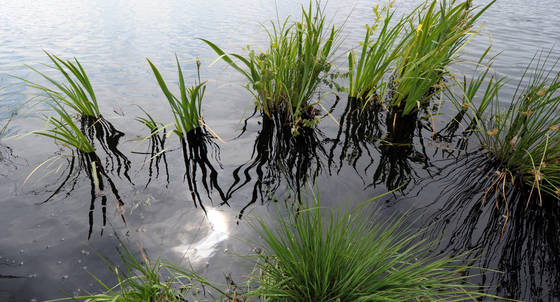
(316, 254)
(523, 137)
(405, 62)
(284, 77)
(187, 109)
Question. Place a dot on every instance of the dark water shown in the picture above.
(45, 223)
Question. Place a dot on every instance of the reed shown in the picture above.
(187, 109)
(284, 77)
(313, 253)
(368, 73)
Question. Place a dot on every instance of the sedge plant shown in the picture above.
(64, 129)
(522, 136)
(284, 77)
(187, 108)
(312, 253)
(144, 280)
(429, 47)
(77, 94)
(368, 72)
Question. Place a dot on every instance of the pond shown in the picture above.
(47, 222)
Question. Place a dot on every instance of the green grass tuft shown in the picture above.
(316, 254)
(187, 110)
(284, 77)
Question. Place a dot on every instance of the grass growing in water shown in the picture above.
(406, 62)
(187, 109)
(65, 130)
(78, 94)
(524, 136)
(284, 77)
(316, 254)
(429, 48)
(143, 280)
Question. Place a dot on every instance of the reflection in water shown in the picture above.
(206, 248)
(196, 146)
(154, 155)
(108, 137)
(279, 156)
(389, 133)
(528, 252)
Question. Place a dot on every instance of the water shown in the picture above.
(112, 41)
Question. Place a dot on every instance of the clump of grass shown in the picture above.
(405, 62)
(187, 109)
(367, 74)
(78, 94)
(143, 280)
(524, 136)
(284, 77)
(317, 254)
(64, 130)
(429, 48)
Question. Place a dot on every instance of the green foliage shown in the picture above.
(407, 60)
(63, 129)
(187, 110)
(315, 254)
(149, 121)
(524, 136)
(78, 94)
(284, 77)
(429, 47)
(142, 280)
(368, 75)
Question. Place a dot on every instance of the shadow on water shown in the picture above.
(280, 159)
(501, 226)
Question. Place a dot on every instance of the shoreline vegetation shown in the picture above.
(402, 66)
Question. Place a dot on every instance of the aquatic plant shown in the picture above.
(78, 94)
(65, 130)
(284, 77)
(523, 137)
(143, 280)
(429, 47)
(312, 253)
(187, 110)
(368, 75)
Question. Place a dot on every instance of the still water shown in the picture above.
(46, 224)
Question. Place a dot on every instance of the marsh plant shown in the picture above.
(285, 76)
(312, 253)
(187, 108)
(72, 100)
(405, 62)
(77, 93)
(144, 279)
(522, 136)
